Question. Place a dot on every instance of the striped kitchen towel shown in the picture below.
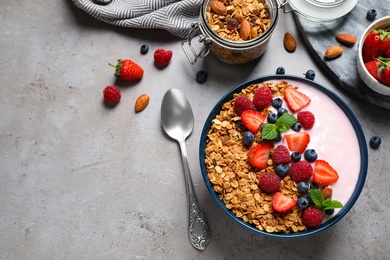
(175, 16)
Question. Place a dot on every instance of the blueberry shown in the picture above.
(278, 138)
(272, 117)
(282, 170)
(303, 187)
(296, 127)
(277, 103)
(201, 76)
(310, 155)
(248, 138)
(310, 74)
(280, 70)
(144, 49)
(371, 14)
(313, 185)
(308, 196)
(240, 125)
(296, 156)
(329, 211)
(281, 111)
(302, 202)
(375, 142)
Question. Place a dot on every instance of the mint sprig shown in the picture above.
(282, 124)
(324, 204)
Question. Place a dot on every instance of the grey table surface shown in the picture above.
(79, 180)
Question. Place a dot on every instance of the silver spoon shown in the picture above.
(177, 120)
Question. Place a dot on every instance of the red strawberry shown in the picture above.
(384, 71)
(295, 99)
(307, 119)
(269, 182)
(371, 46)
(111, 95)
(324, 173)
(281, 155)
(385, 41)
(282, 203)
(372, 68)
(241, 104)
(162, 57)
(128, 70)
(252, 120)
(258, 155)
(262, 98)
(312, 217)
(297, 142)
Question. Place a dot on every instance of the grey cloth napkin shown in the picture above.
(174, 16)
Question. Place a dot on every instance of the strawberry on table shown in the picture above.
(295, 99)
(252, 120)
(324, 173)
(282, 203)
(127, 70)
(258, 155)
(297, 142)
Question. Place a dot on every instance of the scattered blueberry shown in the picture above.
(313, 185)
(282, 170)
(329, 211)
(302, 202)
(201, 76)
(375, 142)
(296, 156)
(248, 138)
(280, 70)
(303, 187)
(310, 74)
(272, 117)
(281, 111)
(371, 14)
(310, 155)
(144, 49)
(277, 103)
(296, 127)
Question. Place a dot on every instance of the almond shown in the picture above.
(327, 192)
(333, 52)
(218, 7)
(141, 103)
(245, 30)
(289, 42)
(346, 38)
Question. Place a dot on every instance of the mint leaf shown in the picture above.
(269, 132)
(331, 204)
(321, 203)
(285, 122)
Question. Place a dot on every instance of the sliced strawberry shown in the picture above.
(297, 142)
(252, 120)
(281, 203)
(324, 173)
(258, 155)
(295, 99)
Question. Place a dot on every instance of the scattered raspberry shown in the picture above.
(269, 182)
(162, 57)
(306, 118)
(301, 171)
(241, 104)
(111, 95)
(312, 217)
(281, 155)
(262, 98)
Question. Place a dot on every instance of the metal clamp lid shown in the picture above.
(196, 29)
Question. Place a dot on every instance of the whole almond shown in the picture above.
(218, 7)
(141, 102)
(245, 30)
(346, 38)
(289, 42)
(333, 52)
(327, 192)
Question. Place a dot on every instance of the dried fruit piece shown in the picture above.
(218, 8)
(333, 52)
(245, 30)
(289, 42)
(141, 102)
(346, 38)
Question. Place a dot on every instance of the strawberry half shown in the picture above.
(324, 173)
(252, 120)
(297, 142)
(295, 99)
(258, 155)
(281, 203)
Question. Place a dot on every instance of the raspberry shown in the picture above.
(111, 95)
(301, 171)
(281, 155)
(306, 118)
(262, 98)
(312, 217)
(162, 57)
(241, 104)
(269, 182)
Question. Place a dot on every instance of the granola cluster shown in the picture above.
(236, 181)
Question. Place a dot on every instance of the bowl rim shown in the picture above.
(350, 115)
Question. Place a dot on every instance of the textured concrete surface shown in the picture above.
(79, 180)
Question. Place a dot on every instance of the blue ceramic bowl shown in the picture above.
(343, 107)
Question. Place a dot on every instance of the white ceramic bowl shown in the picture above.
(369, 80)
